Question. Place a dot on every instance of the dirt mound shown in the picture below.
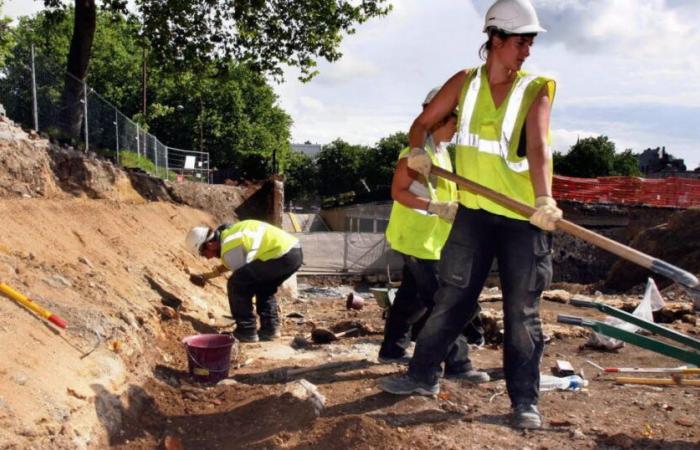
(676, 242)
(26, 166)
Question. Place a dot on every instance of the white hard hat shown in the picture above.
(196, 238)
(513, 17)
(431, 95)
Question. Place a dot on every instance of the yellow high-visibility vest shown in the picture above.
(260, 241)
(488, 140)
(416, 232)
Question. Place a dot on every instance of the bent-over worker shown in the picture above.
(261, 257)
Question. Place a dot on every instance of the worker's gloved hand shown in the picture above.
(199, 280)
(445, 210)
(547, 214)
(419, 161)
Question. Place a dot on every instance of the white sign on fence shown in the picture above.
(190, 161)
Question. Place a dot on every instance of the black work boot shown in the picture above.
(244, 335)
(269, 334)
(526, 416)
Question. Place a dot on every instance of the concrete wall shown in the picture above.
(366, 217)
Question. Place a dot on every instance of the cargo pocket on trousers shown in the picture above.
(455, 265)
(541, 274)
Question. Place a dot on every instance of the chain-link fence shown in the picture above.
(41, 95)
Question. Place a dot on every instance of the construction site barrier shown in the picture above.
(667, 192)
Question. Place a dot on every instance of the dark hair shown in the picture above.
(493, 31)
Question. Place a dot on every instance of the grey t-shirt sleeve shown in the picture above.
(235, 258)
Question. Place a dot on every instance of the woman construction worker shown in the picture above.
(503, 144)
(419, 223)
(261, 257)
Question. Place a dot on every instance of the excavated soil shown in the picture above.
(108, 258)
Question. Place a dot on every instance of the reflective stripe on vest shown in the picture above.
(489, 138)
(259, 240)
(465, 137)
(256, 236)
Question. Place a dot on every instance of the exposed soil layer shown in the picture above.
(103, 249)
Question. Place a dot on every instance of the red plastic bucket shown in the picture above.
(208, 356)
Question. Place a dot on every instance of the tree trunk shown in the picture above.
(78, 59)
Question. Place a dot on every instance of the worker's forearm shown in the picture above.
(417, 134)
(540, 169)
(410, 200)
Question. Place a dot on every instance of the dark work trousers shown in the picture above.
(524, 260)
(260, 279)
(414, 302)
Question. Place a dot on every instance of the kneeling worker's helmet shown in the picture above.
(196, 238)
(513, 17)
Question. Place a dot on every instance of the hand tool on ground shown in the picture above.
(638, 321)
(286, 374)
(676, 274)
(683, 370)
(32, 306)
(323, 336)
(636, 339)
(657, 381)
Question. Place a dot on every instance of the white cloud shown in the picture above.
(348, 68)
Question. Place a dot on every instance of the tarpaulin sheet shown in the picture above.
(346, 252)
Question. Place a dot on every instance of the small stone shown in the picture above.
(21, 378)
(172, 443)
(85, 261)
(685, 421)
(227, 382)
(577, 434)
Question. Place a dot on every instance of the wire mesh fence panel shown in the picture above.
(188, 164)
(16, 91)
(38, 93)
(101, 127)
(60, 102)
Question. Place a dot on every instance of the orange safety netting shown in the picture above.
(668, 192)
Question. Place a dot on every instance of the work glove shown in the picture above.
(444, 210)
(199, 280)
(547, 214)
(419, 161)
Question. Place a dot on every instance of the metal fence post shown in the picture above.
(85, 113)
(35, 109)
(138, 141)
(155, 153)
(167, 169)
(116, 134)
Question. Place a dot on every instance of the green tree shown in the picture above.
(228, 111)
(626, 164)
(6, 39)
(300, 179)
(339, 166)
(378, 168)
(221, 108)
(595, 157)
(265, 35)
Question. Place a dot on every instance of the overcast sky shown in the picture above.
(629, 69)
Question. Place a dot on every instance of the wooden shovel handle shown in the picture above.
(343, 333)
(330, 365)
(655, 265)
